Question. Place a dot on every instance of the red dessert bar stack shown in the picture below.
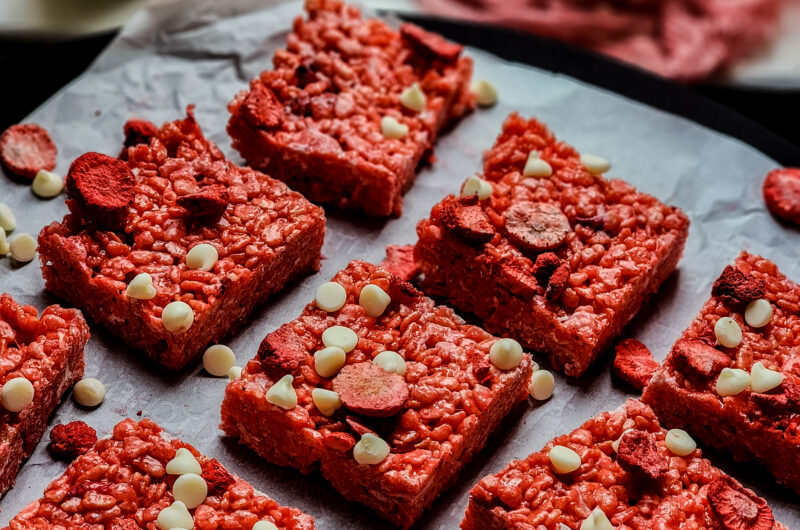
(351, 107)
(385, 392)
(178, 245)
(618, 470)
(40, 357)
(132, 479)
(733, 378)
(544, 249)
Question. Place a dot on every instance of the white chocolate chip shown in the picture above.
(264, 525)
(235, 372)
(22, 247)
(485, 93)
(282, 393)
(762, 379)
(536, 167)
(47, 184)
(374, 300)
(177, 317)
(475, 185)
(679, 442)
(330, 296)
(615, 443)
(564, 459)
(393, 129)
(89, 392)
(370, 450)
(505, 354)
(732, 381)
(758, 313)
(3, 242)
(183, 462)
(728, 332)
(326, 401)
(202, 257)
(413, 98)
(175, 516)
(542, 385)
(218, 360)
(391, 361)
(594, 164)
(141, 287)
(597, 520)
(7, 220)
(17, 393)
(328, 361)
(190, 489)
(341, 337)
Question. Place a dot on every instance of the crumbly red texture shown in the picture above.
(767, 426)
(100, 189)
(400, 261)
(782, 193)
(267, 236)
(456, 399)
(314, 119)
(737, 287)
(207, 205)
(137, 132)
(72, 439)
(634, 363)
(122, 483)
(738, 508)
(47, 350)
(529, 494)
(606, 268)
(217, 478)
(26, 148)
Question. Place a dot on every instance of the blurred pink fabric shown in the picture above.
(687, 40)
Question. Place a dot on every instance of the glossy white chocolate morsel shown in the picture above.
(177, 317)
(8, 221)
(485, 92)
(282, 393)
(536, 167)
(758, 313)
(264, 525)
(218, 360)
(22, 247)
(328, 361)
(202, 257)
(762, 379)
(175, 516)
(564, 460)
(597, 520)
(505, 354)
(47, 184)
(17, 393)
(3, 242)
(615, 443)
(542, 385)
(191, 489)
(341, 337)
(89, 392)
(595, 164)
(330, 296)
(141, 287)
(235, 372)
(475, 185)
(183, 462)
(326, 401)
(413, 98)
(391, 361)
(728, 332)
(370, 450)
(732, 381)
(374, 300)
(393, 129)
(679, 442)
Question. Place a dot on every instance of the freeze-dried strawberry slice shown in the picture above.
(366, 388)
(101, 190)
(638, 453)
(26, 148)
(400, 261)
(737, 507)
(697, 358)
(430, 44)
(466, 219)
(217, 477)
(137, 132)
(557, 281)
(208, 204)
(282, 350)
(71, 440)
(545, 265)
(261, 108)
(782, 193)
(537, 226)
(634, 363)
(736, 286)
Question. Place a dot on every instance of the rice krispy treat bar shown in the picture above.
(128, 479)
(47, 351)
(733, 378)
(195, 245)
(406, 399)
(619, 468)
(339, 119)
(543, 250)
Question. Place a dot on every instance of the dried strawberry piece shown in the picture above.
(217, 477)
(261, 108)
(481, 367)
(735, 286)
(782, 193)
(634, 363)
(72, 440)
(138, 131)
(208, 204)
(430, 44)
(785, 399)
(697, 358)
(282, 350)
(557, 281)
(366, 388)
(465, 218)
(545, 265)
(101, 190)
(518, 280)
(358, 427)
(26, 148)
(537, 226)
(400, 261)
(737, 507)
(638, 453)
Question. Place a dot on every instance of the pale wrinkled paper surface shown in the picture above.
(173, 55)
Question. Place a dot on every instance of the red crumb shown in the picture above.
(101, 190)
(366, 388)
(400, 261)
(216, 476)
(208, 204)
(782, 193)
(72, 440)
(136, 132)
(536, 226)
(261, 108)
(736, 286)
(634, 363)
(281, 351)
(697, 358)
(638, 453)
(26, 148)
(783, 400)
(138, 412)
(430, 44)
(557, 282)
(545, 265)
(737, 507)
(466, 219)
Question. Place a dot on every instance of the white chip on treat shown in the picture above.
(728, 332)
(183, 462)
(505, 354)
(326, 401)
(191, 489)
(370, 450)
(536, 167)
(542, 385)
(218, 360)
(177, 317)
(47, 184)
(594, 164)
(17, 393)
(7, 220)
(485, 92)
(413, 98)
(141, 287)
(732, 381)
(563, 459)
(762, 379)
(597, 520)
(330, 296)
(22, 247)
(615, 443)
(282, 393)
(264, 525)
(392, 129)
(758, 313)
(679, 442)
(475, 185)
(175, 516)
(341, 337)
(374, 300)
(3, 242)
(89, 392)
(328, 361)
(202, 257)
(235, 372)
(391, 361)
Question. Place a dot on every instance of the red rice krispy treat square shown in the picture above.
(733, 378)
(315, 119)
(47, 350)
(561, 259)
(407, 397)
(128, 479)
(184, 198)
(619, 468)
